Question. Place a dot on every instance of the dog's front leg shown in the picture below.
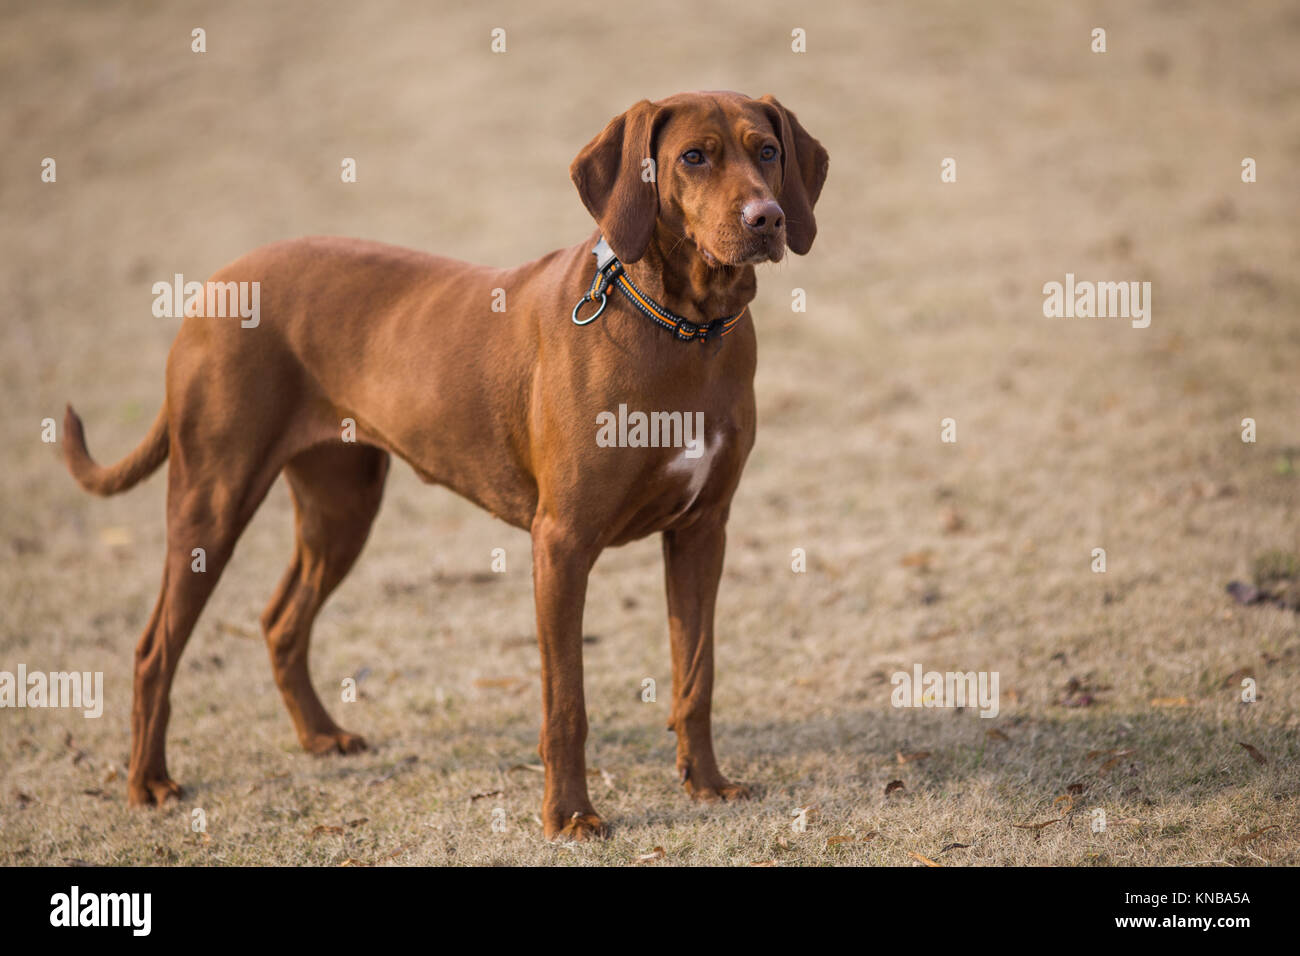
(561, 563)
(693, 567)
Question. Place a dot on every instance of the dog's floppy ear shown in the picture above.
(803, 174)
(609, 176)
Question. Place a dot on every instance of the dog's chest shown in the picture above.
(688, 473)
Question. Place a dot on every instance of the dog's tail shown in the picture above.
(128, 472)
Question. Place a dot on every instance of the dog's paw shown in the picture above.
(336, 742)
(153, 793)
(721, 791)
(579, 827)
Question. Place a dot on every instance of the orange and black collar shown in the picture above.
(610, 272)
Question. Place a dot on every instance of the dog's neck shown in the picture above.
(673, 272)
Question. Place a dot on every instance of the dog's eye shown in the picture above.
(693, 157)
(767, 153)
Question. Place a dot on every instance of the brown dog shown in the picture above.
(499, 406)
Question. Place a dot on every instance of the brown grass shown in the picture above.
(924, 303)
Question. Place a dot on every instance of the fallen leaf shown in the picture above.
(485, 793)
(1094, 754)
(924, 859)
(918, 559)
(1255, 834)
(893, 785)
(951, 520)
(656, 854)
(908, 758)
(1077, 693)
(871, 835)
(954, 846)
(317, 831)
(1036, 826)
(1236, 677)
(357, 822)
(77, 754)
(1255, 755)
(837, 840)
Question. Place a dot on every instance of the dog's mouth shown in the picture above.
(755, 252)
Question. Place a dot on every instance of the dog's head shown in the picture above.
(737, 177)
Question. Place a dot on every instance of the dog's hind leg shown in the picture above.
(206, 512)
(336, 492)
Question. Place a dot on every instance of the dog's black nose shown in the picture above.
(763, 216)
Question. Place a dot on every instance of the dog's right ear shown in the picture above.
(611, 177)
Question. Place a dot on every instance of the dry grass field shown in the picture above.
(1120, 691)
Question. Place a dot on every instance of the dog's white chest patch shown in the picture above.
(695, 470)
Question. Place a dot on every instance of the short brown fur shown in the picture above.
(499, 407)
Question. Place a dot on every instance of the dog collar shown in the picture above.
(610, 272)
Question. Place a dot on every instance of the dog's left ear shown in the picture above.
(803, 174)
(608, 174)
